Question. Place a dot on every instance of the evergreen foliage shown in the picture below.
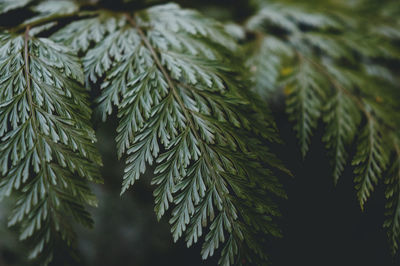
(191, 96)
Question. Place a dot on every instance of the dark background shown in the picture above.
(322, 224)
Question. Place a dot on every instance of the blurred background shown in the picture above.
(322, 223)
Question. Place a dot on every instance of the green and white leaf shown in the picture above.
(392, 222)
(370, 160)
(47, 145)
(342, 118)
(306, 91)
(181, 110)
(80, 34)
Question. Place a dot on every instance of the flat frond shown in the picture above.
(47, 145)
(342, 117)
(392, 222)
(81, 34)
(266, 64)
(370, 160)
(305, 88)
(181, 109)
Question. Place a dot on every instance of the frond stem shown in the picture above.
(185, 110)
(32, 105)
(28, 79)
(49, 19)
(338, 86)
